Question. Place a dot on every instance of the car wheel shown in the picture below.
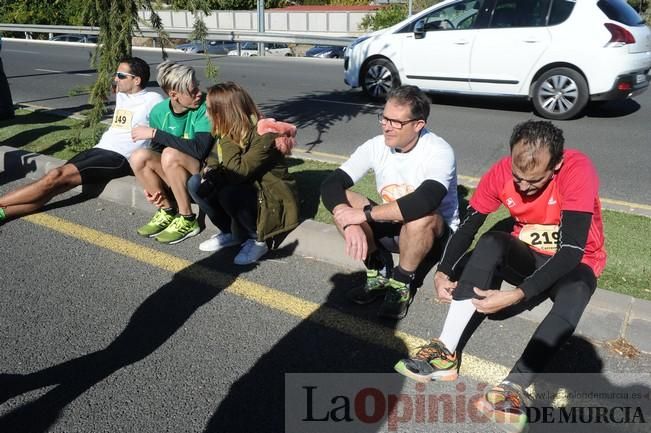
(378, 77)
(560, 94)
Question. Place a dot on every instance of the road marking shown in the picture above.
(63, 72)
(22, 51)
(323, 155)
(473, 367)
(626, 204)
(356, 104)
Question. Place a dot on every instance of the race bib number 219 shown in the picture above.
(542, 236)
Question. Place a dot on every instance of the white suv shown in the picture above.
(558, 53)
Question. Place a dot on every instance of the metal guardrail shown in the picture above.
(231, 35)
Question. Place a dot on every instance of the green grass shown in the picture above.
(628, 270)
(42, 132)
(79, 90)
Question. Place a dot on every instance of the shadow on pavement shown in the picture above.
(88, 192)
(612, 109)
(609, 109)
(17, 164)
(259, 400)
(314, 110)
(595, 402)
(151, 325)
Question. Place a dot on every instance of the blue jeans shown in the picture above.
(228, 204)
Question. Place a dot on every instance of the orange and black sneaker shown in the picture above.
(506, 406)
(432, 362)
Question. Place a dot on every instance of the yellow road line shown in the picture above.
(626, 204)
(327, 155)
(473, 367)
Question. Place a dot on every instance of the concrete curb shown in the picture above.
(609, 315)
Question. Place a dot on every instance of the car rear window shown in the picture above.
(517, 13)
(561, 9)
(620, 11)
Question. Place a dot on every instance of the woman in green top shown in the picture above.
(246, 189)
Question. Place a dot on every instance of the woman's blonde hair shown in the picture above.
(232, 111)
(177, 77)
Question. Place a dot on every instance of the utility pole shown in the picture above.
(261, 26)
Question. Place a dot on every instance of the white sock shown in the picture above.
(458, 317)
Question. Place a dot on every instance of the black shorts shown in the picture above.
(100, 165)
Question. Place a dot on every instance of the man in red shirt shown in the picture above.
(555, 250)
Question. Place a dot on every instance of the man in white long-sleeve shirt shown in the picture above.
(108, 160)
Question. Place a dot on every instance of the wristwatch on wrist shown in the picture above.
(367, 213)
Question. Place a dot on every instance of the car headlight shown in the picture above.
(324, 54)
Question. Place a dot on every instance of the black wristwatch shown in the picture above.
(367, 212)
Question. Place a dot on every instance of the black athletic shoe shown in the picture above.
(396, 301)
(372, 289)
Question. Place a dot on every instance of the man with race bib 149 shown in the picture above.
(555, 250)
(109, 159)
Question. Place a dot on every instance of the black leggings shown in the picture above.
(500, 256)
(227, 204)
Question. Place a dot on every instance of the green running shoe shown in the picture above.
(179, 229)
(157, 224)
(396, 300)
(372, 289)
(2, 214)
(433, 361)
(506, 406)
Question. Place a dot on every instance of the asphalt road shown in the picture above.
(334, 119)
(104, 331)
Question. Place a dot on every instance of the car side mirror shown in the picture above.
(419, 29)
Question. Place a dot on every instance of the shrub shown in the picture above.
(383, 18)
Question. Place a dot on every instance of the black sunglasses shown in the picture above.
(123, 75)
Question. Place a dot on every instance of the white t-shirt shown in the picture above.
(130, 110)
(398, 174)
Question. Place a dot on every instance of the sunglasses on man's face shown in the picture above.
(123, 75)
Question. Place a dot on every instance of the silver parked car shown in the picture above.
(88, 39)
(212, 47)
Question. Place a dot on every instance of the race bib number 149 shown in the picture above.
(542, 236)
(122, 119)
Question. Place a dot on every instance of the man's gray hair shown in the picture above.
(177, 77)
